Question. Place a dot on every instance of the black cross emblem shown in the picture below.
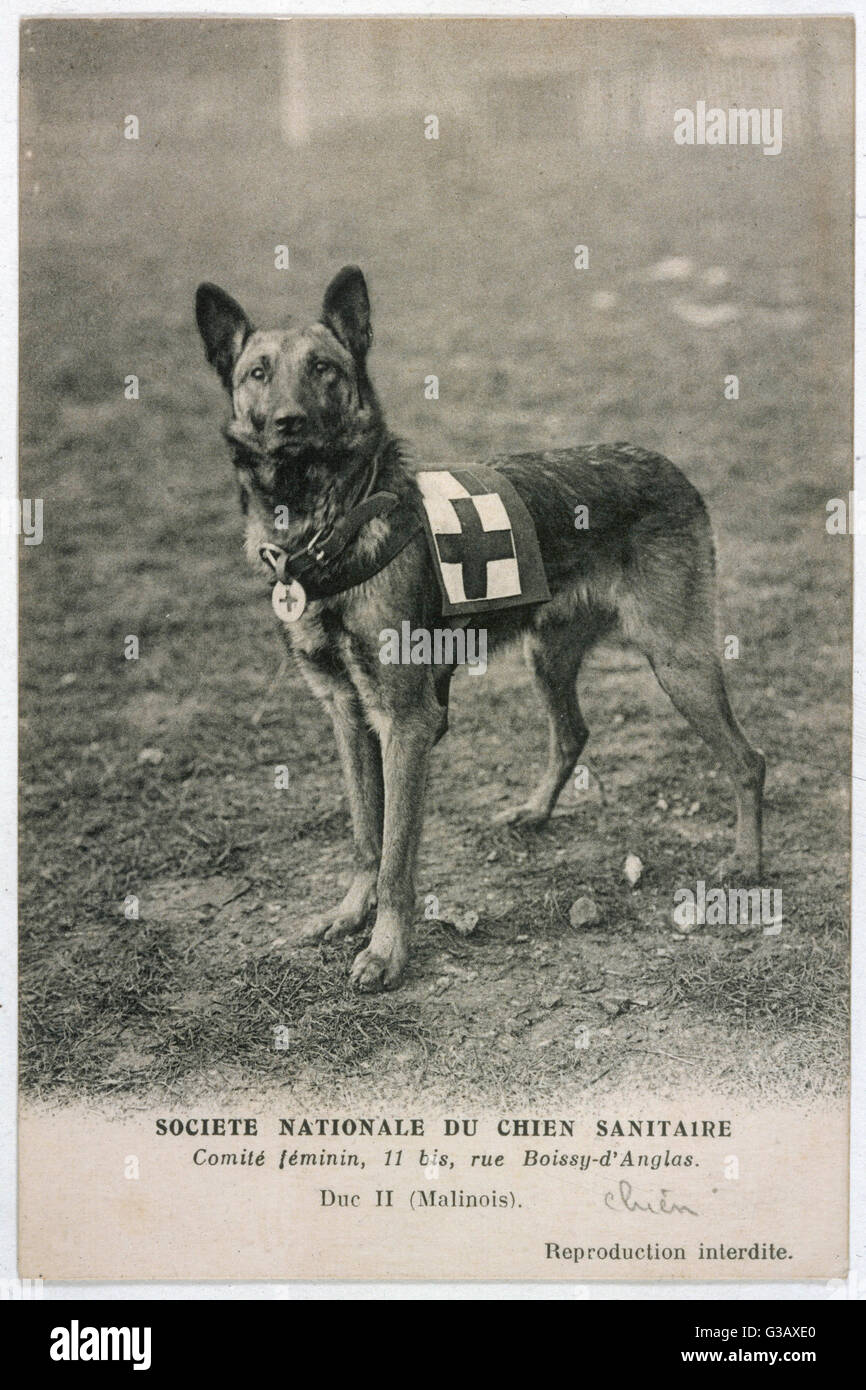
(473, 547)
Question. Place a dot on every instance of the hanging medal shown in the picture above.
(288, 601)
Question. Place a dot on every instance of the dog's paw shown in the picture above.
(372, 972)
(331, 927)
(351, 916)
(527, 815)
(314, 932)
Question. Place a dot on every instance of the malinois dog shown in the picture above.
(310, 445)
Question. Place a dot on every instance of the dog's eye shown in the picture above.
(321, 367)
(258, 373)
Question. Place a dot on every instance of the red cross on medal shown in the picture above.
(289, 601)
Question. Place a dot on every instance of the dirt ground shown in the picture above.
(155, 777)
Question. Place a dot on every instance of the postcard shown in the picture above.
(435, 518)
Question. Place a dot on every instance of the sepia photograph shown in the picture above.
(436, 513)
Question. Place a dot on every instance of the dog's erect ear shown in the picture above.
(346, 311)
(224, 327)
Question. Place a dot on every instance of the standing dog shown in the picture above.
(310, 443)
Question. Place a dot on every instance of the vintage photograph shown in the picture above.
(435, 600)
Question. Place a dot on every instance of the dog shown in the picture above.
(310, 444)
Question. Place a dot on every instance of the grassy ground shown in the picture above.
(155, 777)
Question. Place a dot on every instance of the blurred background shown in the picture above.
(155, 776)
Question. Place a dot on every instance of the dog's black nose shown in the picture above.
(289, 425)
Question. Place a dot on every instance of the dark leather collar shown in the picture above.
(320, 569)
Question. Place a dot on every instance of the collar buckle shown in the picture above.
(275, 558)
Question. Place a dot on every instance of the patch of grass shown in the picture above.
(777, 990)
(117, 1014)
(279, 1013)
(83, 997)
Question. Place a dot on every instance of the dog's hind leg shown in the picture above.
(554, 651)
(361, 760)
(670, 616)
(696, 685)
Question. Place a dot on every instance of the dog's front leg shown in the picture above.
(407, 741)
(361, 762)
